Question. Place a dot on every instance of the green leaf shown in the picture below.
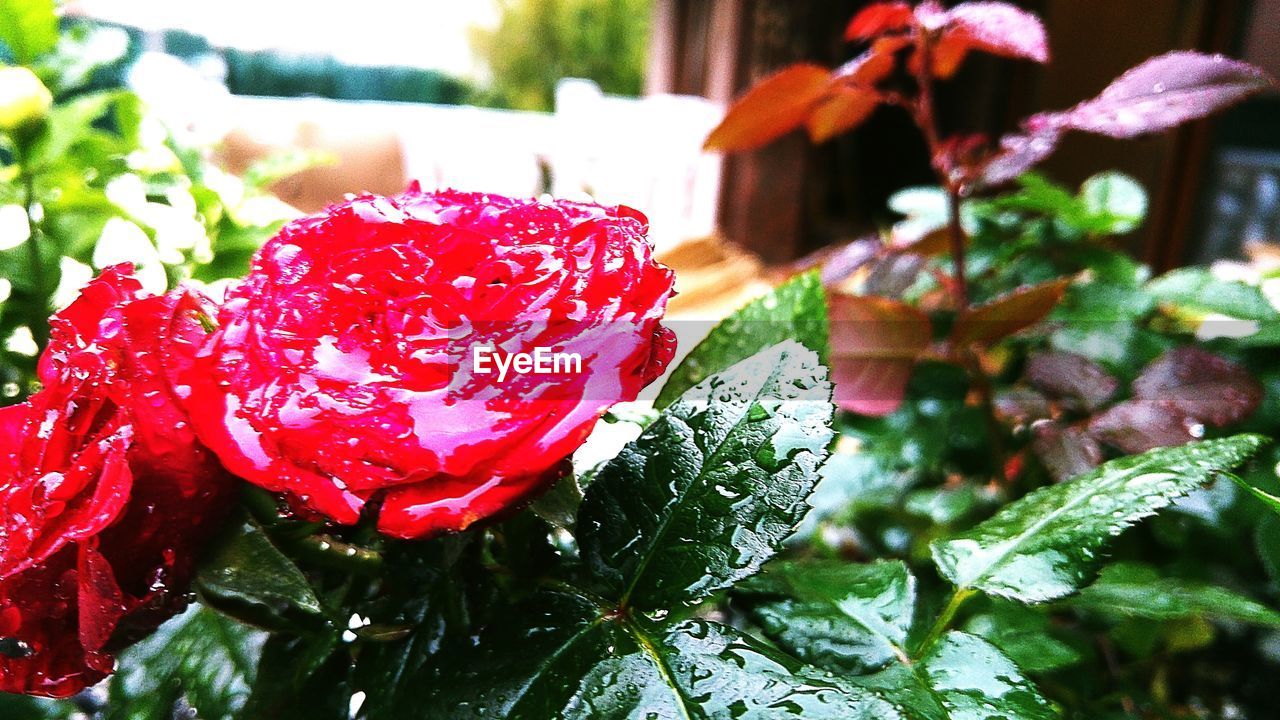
(962, 677)
(796, 311)
(562, 656)
(1131, 590)
(428, 592)
(1114, 202)
(1046, 545)
(28, 27)
(708, 492)
(246, 576)
(200, 656)
(24, 707)
(837, 615)
(1271, 501)
(301, 678)
(1027, 635)
(1197, 290)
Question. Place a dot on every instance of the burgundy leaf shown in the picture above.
(1082, 383)
(1065, 451)
(1198, 383)
(874, 344)
(877, 19)
(1136, 426)
(1023, 405)
(1018, 154)
(992, 27)
(1160, 94)
(893, 275)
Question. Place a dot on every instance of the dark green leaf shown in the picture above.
(23, 707)
(200, 656)
(28, 27)
(301, 678)
(1046, 545)
(565, 657)
(1127, 590)
(962, 677)
(245, 575)
(1026, 635)
(1197, 290)
(795, 311)
(1271, 501)
(836, 615)
(432, 591)
(709, 491)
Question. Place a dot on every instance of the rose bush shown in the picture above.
(344, 370)
(105, 495)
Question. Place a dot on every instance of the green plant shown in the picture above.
(539, 42)
(89, 179)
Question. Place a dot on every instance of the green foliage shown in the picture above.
(102, 183)
(1046, 545)
(202, 658)
(539, 42)
(794, 311)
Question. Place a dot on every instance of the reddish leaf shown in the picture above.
(852, 96)
(1160, 94)
(1137, 426)
(1009, 313)
(878, 19)
(1081, 382)
(841, 112)
(1202, 385)
(771, 109)
(1065, 451)
(1018, 154)
(874, 344)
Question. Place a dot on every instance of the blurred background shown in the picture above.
(611, 99)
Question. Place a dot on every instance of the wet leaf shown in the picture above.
(772, 108)
(1075, 379)
(28, 27)
(204, 658)
(962, 677)
(1009, 313)
(1136, 426)
(1046, 545)
(1130, 590)
(709, 491)
(1207, 387)
(997, 28)
(1161, 94)
(874, 345)
(838, 615)
(1027, 635)
(561, 656)
(301, 678)
(795, 310)
(1018, 154)
(246, 576)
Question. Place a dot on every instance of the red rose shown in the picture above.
(345, 368)
(105, 494)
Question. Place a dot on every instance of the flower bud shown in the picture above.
(23, 98)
